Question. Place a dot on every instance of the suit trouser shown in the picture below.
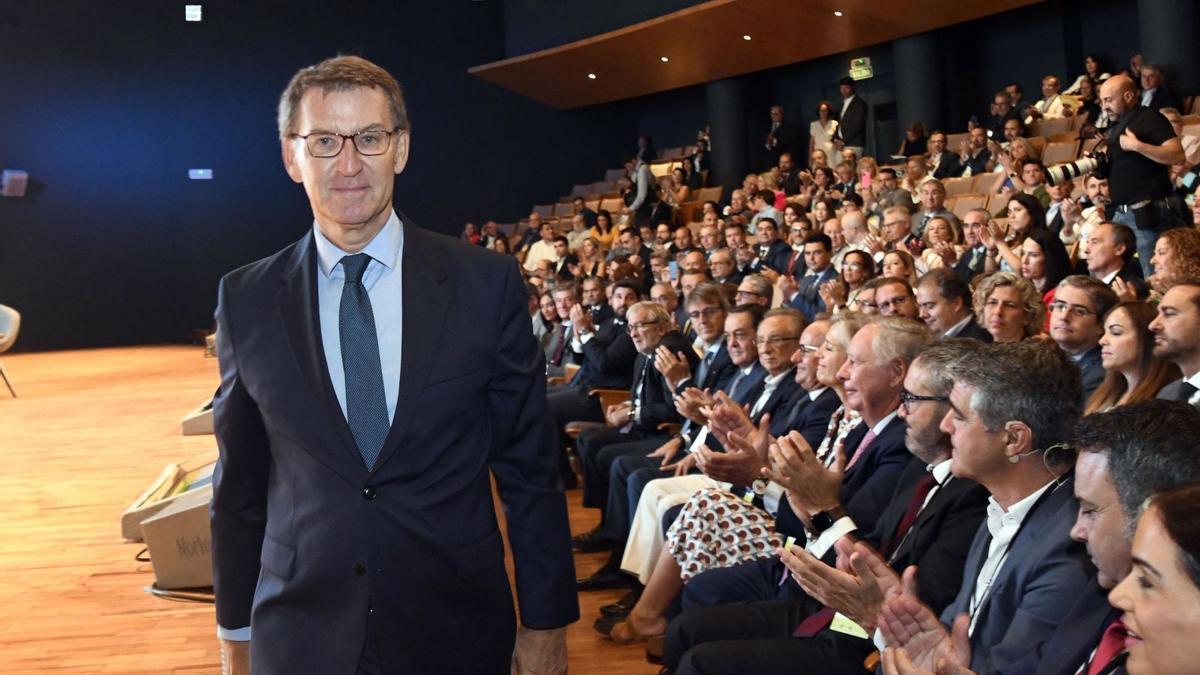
(571, 404)
(598, 449)
(617, 514)
(757, 638)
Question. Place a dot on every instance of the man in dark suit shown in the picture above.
(930, 523)
(944, 303)
(594, 301)
(852, 119)
(783, 136)
(773, 251)
(1023, 571)
(650, 405)
(566, 260)
(1155, 94)
(1109, 253)
(805, 296)
(942, 163)
(1177, 339)
(1077, 324)
(338, 418)
(1126, 455)
(974, 256)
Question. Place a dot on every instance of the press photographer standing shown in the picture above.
(1141, 147)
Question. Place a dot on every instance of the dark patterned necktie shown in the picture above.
(366, 404)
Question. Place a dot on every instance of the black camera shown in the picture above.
(1093, 163)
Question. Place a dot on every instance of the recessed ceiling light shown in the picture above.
(591, 76)
(665, 59)
(746, 37)
(837, 13)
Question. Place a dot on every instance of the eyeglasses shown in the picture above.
(775, 340)
(907, 398)
(706, 312)
(898, 301)
(809, 349)
(636, 327)
(866, 304)
(326, 144)
(1077, 311)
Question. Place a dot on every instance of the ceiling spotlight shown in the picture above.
(837, 12)
(665, 59)
(746, 37)
(591, 76)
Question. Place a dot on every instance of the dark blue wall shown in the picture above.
(107, 105)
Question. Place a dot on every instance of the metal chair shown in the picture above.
(10, 325)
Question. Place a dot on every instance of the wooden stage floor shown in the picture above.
(88, 434)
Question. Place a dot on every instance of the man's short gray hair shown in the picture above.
(899, 339)
(340, 73)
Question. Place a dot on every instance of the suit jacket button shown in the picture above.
(368, 493)
(360, 569)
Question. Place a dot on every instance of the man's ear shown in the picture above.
(403, 138)
(288, 149)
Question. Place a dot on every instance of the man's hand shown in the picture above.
(540, 652)
(833, 293)
(771, 275)
(235, 657)
(946, 252)
(682, 467)
(907, 622)
(692, 403)
(673, 366)
(618, 415)
(788, 286)
(581, 320)
(1125, 292)
(795, 466)
(732, 466)
(744, 255)
(1130, 142)
(898, 660)
(667, 451)
(726, 417)
(873, 243)
(856, 594)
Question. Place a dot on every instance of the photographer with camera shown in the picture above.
(1141, 147)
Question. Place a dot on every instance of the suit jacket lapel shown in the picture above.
(297, 302)
(425, 297)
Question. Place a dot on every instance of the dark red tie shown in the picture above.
(1111, 644)
(910, 513)
(562, 346)
(814, 624)
(791, 266)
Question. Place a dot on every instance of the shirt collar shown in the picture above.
(384, 247)
(816, 393)
(772, 381)
(1194, 380)
(1007, 522)
(1108, 278)
(882, 424)
(940, 471)
(956, 328)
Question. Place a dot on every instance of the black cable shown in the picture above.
(204, 595)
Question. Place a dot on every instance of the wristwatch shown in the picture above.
(759, 486)
(823, 520)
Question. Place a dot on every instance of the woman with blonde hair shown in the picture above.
(591, 259)
(1133, 372)
(1009, 307)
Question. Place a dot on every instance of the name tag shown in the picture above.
(843, 625)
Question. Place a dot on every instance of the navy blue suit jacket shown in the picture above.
(306, 540)
(1078, 634)
(607, 359)
(808, 298)
(1044, 574)
(811, 417)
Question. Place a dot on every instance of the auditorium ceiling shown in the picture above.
(720, 39)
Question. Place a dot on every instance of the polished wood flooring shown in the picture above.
(90, 431)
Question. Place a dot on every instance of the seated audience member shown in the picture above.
(694, 263)
(723, 267)
(545, 320)
(772, 251)
(864, 299)
(899, 264)
(579, 207)
(710, 236)
(1177, 339)
(1176, 257)
(1013, 408)
(894, 297)
(914, 142)
(606, 357)
(578, 232)
(942, 241)
(1109, 252)
(681, 241)
(1051, 106)
(971, 261)
(730, 475)
(594, 300)
(1004, 244)
(707, 308)
(1002, 112)
(1059, 194)
(650, 405)
(933, 205)
(940, 162)
(542, 249)
(1044, 261)
(1076, 325)
(1155, 94)
(489, 234)
(897, 234)
(470, 234)
(1080, 218)
(858, 268)
(1190, 142)
(664, 294)
(832, 228)
(974, 158)
(565, 260)
(603, 231)
(929, 523)
(755, 290)
(1010, 307)
(944, 304)
(591, 259)
(743, 254)
(1093, 73)
(763, 203)
(1125, 457)
(738, 209)
(1160, 594)
(855, 489)
(804, 295)
(558, 342)
(1132, 372)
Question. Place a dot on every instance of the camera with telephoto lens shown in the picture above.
(1091, 163)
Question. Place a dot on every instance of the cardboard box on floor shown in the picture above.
(179, 540)
(170, 485)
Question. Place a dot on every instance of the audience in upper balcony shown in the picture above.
(1155, 93)
(1051, 106)
(852, 120)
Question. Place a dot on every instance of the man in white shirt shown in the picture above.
(1051, 106)
(542, 249)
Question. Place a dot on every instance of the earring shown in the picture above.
(1013, 459)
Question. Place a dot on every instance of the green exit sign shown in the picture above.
(863, 62)
(864, 73)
